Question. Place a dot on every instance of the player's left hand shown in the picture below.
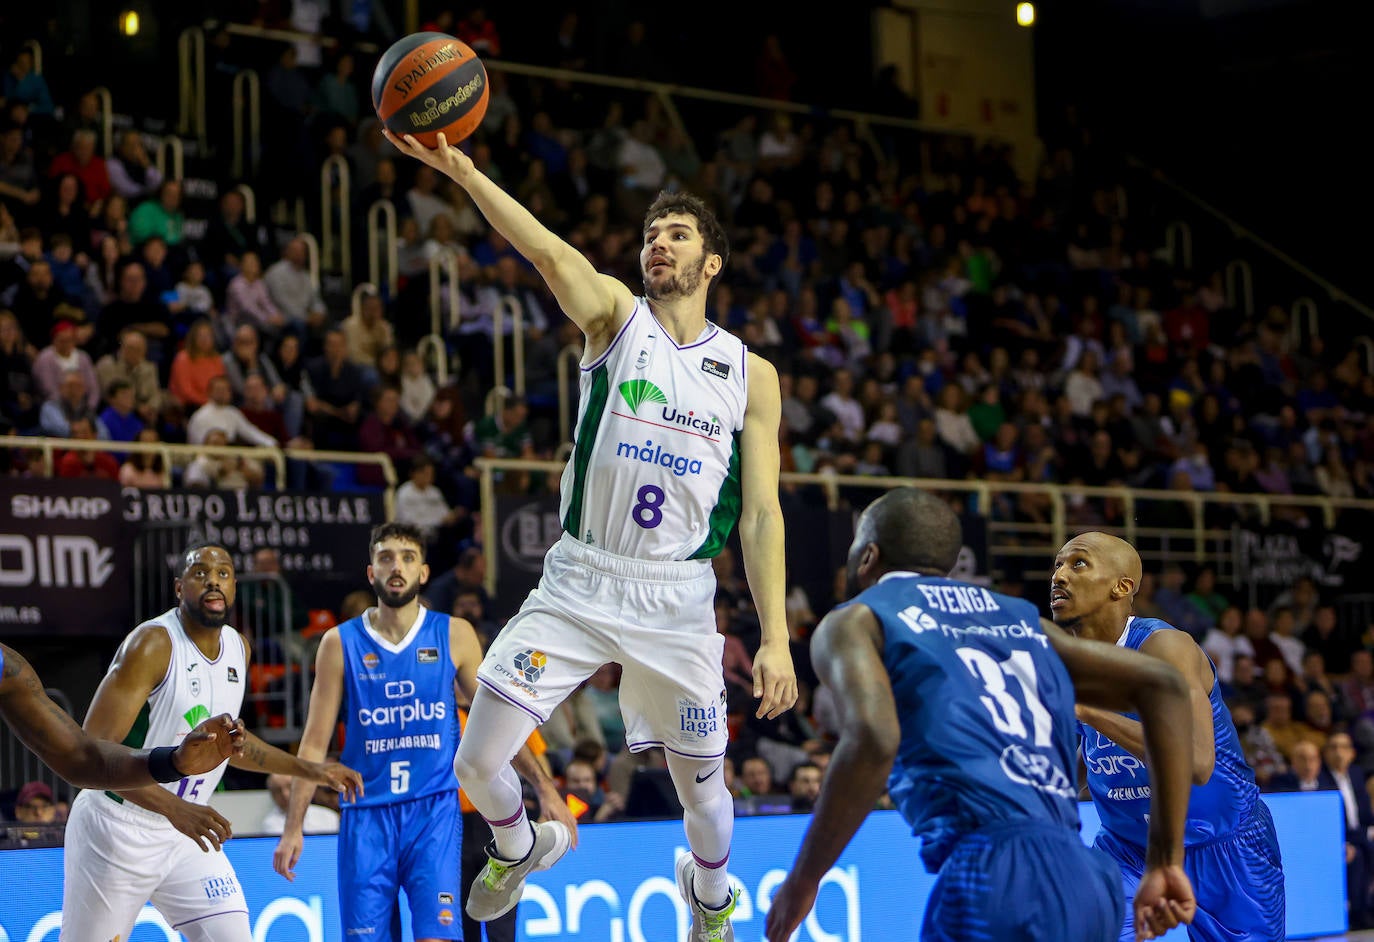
(1163, 899)
(207, 746)
(792, 901)
(775, 680)
(339, 777)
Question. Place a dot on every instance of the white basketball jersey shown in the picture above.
(655, 469)
(195, 689)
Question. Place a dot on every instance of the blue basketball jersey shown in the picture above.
(1120, 784)
(400, 715)
(986, 710)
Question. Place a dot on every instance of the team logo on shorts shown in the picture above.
(530, 663)
(445, 899)
(371, 660)
(445, 917)
(219, 887)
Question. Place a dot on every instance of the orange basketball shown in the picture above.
(427, 83)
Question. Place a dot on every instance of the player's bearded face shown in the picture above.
(677, 282)
(394, 589)
(207, 587)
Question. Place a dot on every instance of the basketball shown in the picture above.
(427, 83)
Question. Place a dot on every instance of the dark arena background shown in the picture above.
(1071, 265)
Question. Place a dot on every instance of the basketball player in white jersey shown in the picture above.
(86, 762)
(677, 441)
(162, 842)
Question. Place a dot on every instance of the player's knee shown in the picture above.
(701, 797)
(472, 765)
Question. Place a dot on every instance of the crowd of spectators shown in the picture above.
(932, 317)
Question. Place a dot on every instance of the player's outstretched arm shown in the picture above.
(53, 736)
(599, 304)
(325, 698)
(1117, 679)
(847, 652)
(761, 539)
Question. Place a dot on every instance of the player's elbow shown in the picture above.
(876, 741)
(1204, 762)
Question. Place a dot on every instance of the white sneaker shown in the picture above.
(708, 925)
(497, 888)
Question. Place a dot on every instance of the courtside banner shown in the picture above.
(618, 885)
(320, 538)
(63, 568)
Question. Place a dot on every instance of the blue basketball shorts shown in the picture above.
(414, 846)
(1237, 879)
(1024, 881)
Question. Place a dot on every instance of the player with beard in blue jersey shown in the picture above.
(395, 674)
(1232, 850)
(972, 694)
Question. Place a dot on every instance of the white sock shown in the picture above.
(514, 837)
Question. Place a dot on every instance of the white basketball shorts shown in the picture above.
(655, 619)
(120, 856)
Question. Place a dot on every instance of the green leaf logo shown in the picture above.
(636, 391)
(196, 715)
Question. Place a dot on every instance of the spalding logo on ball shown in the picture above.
(427, 83)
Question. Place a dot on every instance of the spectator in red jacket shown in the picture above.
(88, 167)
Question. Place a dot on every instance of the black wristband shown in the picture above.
(160, 764)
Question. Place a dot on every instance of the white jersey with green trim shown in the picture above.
(195, 688)
(655, 468)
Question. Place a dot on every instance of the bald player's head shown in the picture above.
(905, 530)
(1092, 572)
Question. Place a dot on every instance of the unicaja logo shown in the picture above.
(638, 391)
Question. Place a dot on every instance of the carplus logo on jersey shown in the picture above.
(636, 392)
(416, 711)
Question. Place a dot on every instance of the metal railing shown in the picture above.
(337, 164)
(566, 394)
(35, 48)
(517, 335)
(433, 351)
(173, 145)
(1009, 540)
(247, 91)
(1178, 243)
(191, 85)
(1240, 287)
(250, 203)
(174, 454)
(280, 675)
(442, 263)
(312, 255)
(102, 95)
(381, 228)
(1241, 232)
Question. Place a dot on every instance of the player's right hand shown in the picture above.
(1163, 899)
(287, 854)
(201, 823)
(207, 746)
(445, 159)
(790, 904)
(347, 782)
